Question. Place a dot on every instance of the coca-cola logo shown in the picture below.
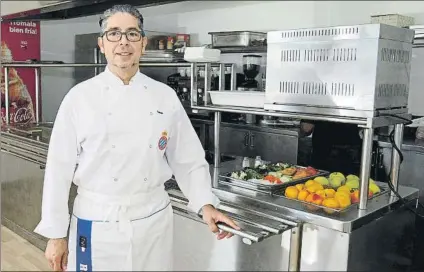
(21, 115)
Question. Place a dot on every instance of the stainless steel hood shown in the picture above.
(80, 8)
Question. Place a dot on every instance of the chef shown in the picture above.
(119, 136)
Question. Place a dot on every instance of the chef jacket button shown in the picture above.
(109, 113)
(145, 179)
(150, 146)
(145, 87)
(113, 146)
(115, 179)
(151, 113)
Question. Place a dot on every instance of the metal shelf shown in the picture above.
(252, 49)
(374, 122)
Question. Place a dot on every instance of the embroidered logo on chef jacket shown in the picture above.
(163, 141)
(83, 267)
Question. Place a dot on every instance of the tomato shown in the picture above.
(270, 178)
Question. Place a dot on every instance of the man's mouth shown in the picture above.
(124, 54)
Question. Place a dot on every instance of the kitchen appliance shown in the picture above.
(237, 39)
(201, 54)
(352, 71)
(251, 68)
(162, 56)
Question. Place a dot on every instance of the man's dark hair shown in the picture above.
(117, 9)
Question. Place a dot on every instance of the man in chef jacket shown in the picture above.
(119, 136)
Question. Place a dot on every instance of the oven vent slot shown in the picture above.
(290, 55)
(314, 88)
(395, 55)
(320, 32)
(289, 87)
(391, 90)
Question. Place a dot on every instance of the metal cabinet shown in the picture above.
(235, 142)
(270, 146)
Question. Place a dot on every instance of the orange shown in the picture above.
(315, 199)
(314, 187)
(344, 201)
(291, 192)
(329, 192)
(302, 195)
(300, 187)
(342, 194)
(331, 203)
(321, 193)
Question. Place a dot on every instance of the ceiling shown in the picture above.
(68, 9)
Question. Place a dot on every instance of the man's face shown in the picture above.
(126, 52)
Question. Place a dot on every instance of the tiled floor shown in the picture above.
(17, 254)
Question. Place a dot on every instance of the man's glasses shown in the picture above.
(116, 35)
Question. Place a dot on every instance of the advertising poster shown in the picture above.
(20, 41)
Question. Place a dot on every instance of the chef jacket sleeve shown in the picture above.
(186, 158)
(60, 167)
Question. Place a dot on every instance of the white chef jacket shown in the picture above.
(121, 140)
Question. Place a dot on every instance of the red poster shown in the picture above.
(20, 41)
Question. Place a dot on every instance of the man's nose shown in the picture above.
(124, 40)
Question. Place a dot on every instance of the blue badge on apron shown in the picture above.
(163, 141)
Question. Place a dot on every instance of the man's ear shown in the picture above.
(101, 45)
(143, 48)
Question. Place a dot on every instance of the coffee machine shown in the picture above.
(251, 68)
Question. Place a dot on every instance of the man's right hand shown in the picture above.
(57, 254)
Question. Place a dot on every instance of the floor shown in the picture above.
(19, 255)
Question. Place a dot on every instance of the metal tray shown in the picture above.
(237, 39)
(162, 56)
(227, 179)
(384, 189)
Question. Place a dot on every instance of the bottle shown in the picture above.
(186, 95)
(258, 161)
(161, 45)
(170, 44)
(246, 162)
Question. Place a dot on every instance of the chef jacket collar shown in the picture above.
(113, 80)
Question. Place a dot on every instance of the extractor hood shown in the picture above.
(80, 8)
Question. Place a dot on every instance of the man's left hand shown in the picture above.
(212, 216)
